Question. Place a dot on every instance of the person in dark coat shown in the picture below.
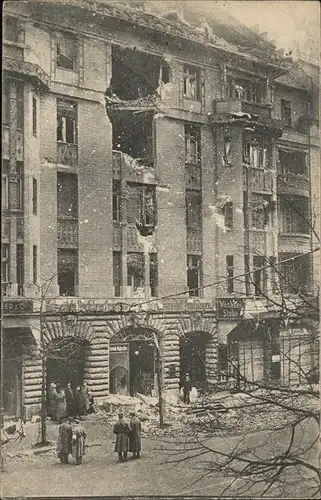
(187, 387)
(122, 431)
(84, 399)
(135, 440)
(61, 411)
(78, 442)
(78, 407)
(64, 441)
(70, 400)
(52, 401)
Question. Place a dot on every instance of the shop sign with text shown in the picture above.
(229, 308)
(12, 307)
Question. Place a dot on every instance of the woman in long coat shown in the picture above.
(61, 410)
(122, 431)
(84, 399)
(78, 442)
(135, 440)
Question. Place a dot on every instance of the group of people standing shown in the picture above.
(128, 436)
(69, 402)
(71, 441)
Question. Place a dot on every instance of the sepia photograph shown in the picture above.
(160, 249)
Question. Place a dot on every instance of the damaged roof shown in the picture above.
(296, 77)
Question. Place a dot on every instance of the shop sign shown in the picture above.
(118, 348)
(228, 308)
(12, 307)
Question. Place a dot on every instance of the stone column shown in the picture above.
(97, 363)
(31, 384)
(211, 362)
(171, 357)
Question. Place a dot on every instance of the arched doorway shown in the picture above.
(66, 361)
(132, 362)
(192, 357)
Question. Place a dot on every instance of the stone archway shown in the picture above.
(193, 357)
(132, 360)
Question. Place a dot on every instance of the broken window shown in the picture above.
(5, 267)
(295, 272)
(259, 275)
(135, 271)
(153, 274)
(117, 273)
(12, 30)
(191, 82)
(227, 154)
(192, 144)
(194, 275)
(132, 134)
(245, 90)
(193, 209)
(257, 152)
(230, 273)
(292, 162)
(141, 204)
(66, 121)
(67, 195)
(260, 211)
(67, 51)
(67, 272)
(116, 201)
(286, 112)
(228, 215)
(294, 214)
(165, 74)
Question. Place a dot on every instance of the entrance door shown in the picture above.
(141, 367)
(192, 358)
(66, 363)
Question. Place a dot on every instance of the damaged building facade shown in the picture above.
(155, 170)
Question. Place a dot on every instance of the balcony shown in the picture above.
(294, 243)
(194, 241)
(67, 232)
(296, 184)
(6, 147)
(29, 70)
(238, 106)
(259, 180)
(67, 154)
(261, 241)
(193, 176)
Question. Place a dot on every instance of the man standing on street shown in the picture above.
(78, 442)
(70, 401)
(64, 441)
(187, 387)
(122, 431)
(135, 441)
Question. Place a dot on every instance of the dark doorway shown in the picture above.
(12, 374)
(66, 362)
(141, 367)
(192, 358)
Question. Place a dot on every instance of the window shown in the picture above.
(117, 272)
(295, 272)
(191, 82)
(292, 162)
(194, 275)
(116, 201)
(252, 154)
(5, 267)
(286, 112)
(258, 153)
(193, 209)
(153, 274)
(67, 272)
(20, 268)
(228, 215)
(67, 51)
(34, 116)
(260, 212)
(66, 121)
(230, 273)
(34, 196)
(192, 144)
(258, 275)
(165, 74)
(67, 195)
(135, 271)
(246, 90)
(12, 29)
(34, 265)
(141, 204)
(227, 155)
(5, 185)
(294, 214)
